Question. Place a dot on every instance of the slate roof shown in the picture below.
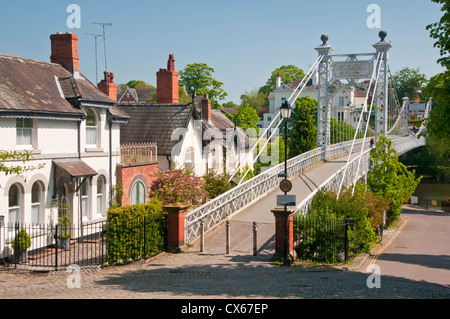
(154, 123)
(31, 88)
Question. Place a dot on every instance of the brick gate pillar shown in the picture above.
(175, 226)
(280, 222)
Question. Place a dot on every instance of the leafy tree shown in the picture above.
(389, 177)
(139, 84)
(246, 117)
(288, 73)
(440, 31)
(302, 136)
(254, 99)
(197, 77)
(408, 82)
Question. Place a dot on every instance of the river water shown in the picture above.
(431, 192)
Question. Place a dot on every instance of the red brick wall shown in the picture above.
(129, 174)
(64, 49)
(107, 86)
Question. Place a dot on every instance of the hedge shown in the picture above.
(135, 232)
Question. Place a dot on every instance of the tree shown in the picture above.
(139, 84)
(288, 73)
(197, 77)
(254, 99)
(302, 135)
(246, 117)
(408, 82)
(389, 178)
(440, 31)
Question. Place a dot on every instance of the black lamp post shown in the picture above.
(286, 112)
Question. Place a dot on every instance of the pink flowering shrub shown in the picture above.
(179, 186)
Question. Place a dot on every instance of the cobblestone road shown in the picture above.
(212, 275)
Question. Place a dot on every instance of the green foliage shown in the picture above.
(23, 156)
(139, 84)
(408, 82)
(249, 175)
(117, 195)
(288, 74)
(253, 99)
(389, 178)
(64, 224)
(197, 77)
(216, 184)
(302, 136)
(178, 186)
(246, 117)
(440, 31)
(135, 231)
(341, 131)
(22, 241)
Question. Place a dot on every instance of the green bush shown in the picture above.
(135, 232)
(216, 184)
(22, 241)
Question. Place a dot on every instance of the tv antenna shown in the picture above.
(96, 67)
(104, 39)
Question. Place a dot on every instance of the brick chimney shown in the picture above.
(64, 48)
(108, 86)
(167, 83)
(206, 107)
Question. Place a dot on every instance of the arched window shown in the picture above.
(91, 128)
(100, 195)
(138, 193)
(36, 203)
(14, 204)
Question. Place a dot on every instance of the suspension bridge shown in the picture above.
(342, 156)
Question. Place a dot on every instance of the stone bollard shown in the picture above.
(175, 226)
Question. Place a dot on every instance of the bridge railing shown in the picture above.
(356, 171)
(243, 195)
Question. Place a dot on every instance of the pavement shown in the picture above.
(214, 274)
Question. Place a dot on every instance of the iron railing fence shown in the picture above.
(139, 153)
(53, 246)
(321, 239)
(94, 244)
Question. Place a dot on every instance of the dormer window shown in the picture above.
(91, 128)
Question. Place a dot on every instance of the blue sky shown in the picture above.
(243, 40)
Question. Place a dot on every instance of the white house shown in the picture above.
(340, 108)
(70, 126)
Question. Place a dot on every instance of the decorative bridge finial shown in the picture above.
(382, 34)
(324, 38)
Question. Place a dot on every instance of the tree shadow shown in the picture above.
(431, 261)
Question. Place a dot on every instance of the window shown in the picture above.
(14, 203)
(138, 194)
(340, 116)
(91, 128)
(84, 200)
(189, 159)
(341, 101)
(24, 128)
(36, 203)
(100, 195)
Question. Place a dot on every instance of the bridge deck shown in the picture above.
(241, 231)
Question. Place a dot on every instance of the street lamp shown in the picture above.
(286, 112)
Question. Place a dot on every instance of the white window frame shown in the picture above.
(21, 128)
(92, 141)
(36, 206)
(101, 196)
